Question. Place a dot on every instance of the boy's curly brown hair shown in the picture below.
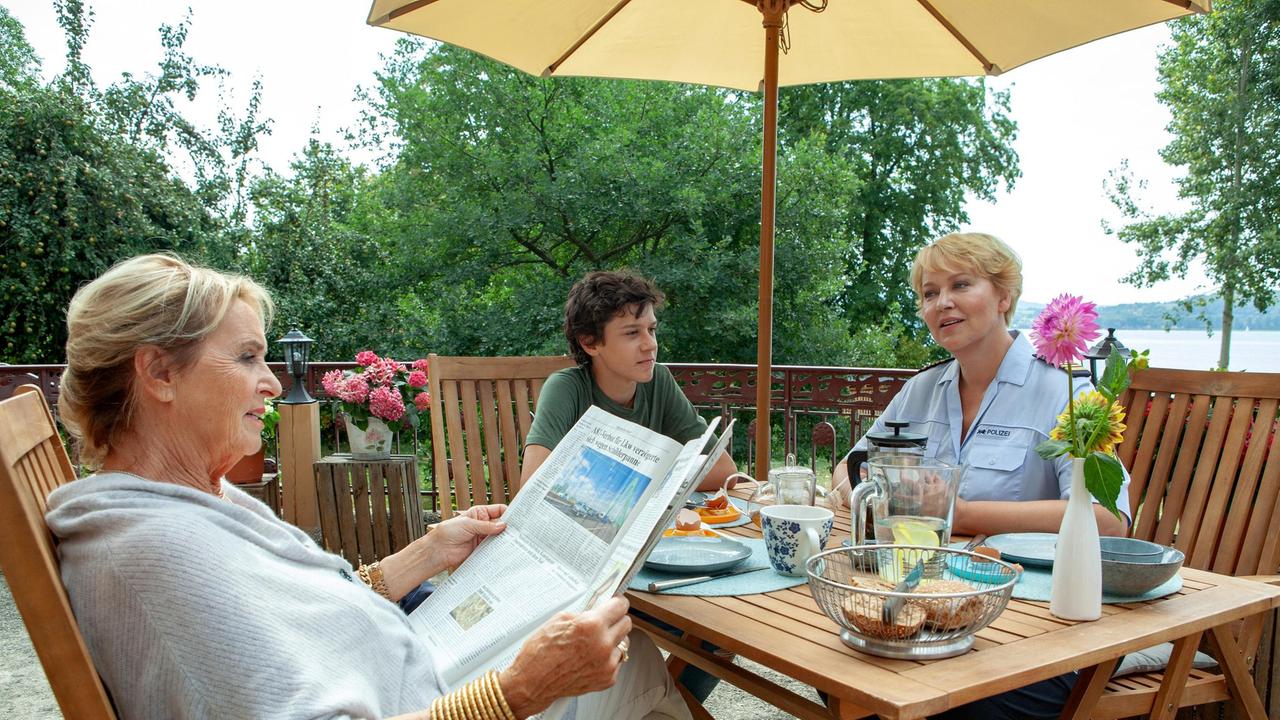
(599, 297)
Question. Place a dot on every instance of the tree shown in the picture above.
(86, 178)
(18, 61)
(73, 201)
(313, 246)
(506, 188)
(919, 148)
(1221, 81)
(561, 174)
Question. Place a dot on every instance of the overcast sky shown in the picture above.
(1079, 114)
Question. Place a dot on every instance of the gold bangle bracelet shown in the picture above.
(464, 699)
(477, 705)
(492, 679)
(491, 694)
(464, 704)
(483, 707)
(481, 699)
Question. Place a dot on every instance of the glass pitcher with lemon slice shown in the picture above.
(912, 501)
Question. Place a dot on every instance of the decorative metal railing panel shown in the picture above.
(805, 396)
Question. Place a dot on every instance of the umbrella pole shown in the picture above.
(773, 11)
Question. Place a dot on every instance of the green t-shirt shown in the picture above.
(659, 405)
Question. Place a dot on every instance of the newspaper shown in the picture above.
(576, 534)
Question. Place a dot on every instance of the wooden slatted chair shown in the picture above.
(481, 410)
(823, 436)
(1205, 468)
(32, 463)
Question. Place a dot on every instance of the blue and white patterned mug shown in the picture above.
(793, 534)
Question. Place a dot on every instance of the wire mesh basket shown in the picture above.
(960, 593)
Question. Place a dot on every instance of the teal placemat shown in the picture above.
(747, 584)
(1037, 584)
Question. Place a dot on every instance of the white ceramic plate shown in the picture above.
(1034, 549)
(696, 555)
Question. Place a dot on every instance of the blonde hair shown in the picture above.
(980, 253)
(149, 300)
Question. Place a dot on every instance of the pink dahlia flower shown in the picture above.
(420, 364)
(386, 403)
(365, 358)
(422, 401)
(1064, 328)
(417, 379)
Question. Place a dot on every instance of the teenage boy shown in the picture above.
(612, 331)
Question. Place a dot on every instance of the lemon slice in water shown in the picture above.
(911, 532)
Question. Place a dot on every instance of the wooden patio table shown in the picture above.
(785, 631)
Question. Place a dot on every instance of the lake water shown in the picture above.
(1253, 350)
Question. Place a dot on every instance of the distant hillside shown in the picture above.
(1152, 316)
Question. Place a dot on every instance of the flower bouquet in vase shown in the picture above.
(378, 399)
(1087, 431)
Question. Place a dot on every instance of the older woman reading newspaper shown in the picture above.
(196, 601)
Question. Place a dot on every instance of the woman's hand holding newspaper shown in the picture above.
(572, 654)
(444, 548)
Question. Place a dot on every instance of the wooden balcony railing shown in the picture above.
(823, 409)
(804, 397)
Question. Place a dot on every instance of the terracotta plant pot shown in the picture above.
(249, 469)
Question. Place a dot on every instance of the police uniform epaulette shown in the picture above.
(1076, 371)
(930, 366)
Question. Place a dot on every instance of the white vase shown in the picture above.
(372, 443)
(1077, 559)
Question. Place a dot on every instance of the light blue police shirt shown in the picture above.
(1018, 410)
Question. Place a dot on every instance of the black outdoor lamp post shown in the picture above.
(1102, 351)
(297, 350)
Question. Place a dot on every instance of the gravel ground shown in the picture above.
(24, 691)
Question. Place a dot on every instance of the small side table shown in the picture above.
(267, 490)
(368, 509)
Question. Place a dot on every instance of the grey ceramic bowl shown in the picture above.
(1130, 549)
(1127, 578)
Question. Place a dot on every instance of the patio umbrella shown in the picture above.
(721, 43)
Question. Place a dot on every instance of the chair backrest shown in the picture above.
(481, 410)
(823, 436)
(32, 463)
(1205, 467)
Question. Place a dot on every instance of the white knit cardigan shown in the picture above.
(195, 607)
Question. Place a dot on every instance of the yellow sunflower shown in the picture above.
(1100, 424)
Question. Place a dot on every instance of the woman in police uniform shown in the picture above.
(990, 404)
(987, 408)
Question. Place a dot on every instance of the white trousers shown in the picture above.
(644, 690)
